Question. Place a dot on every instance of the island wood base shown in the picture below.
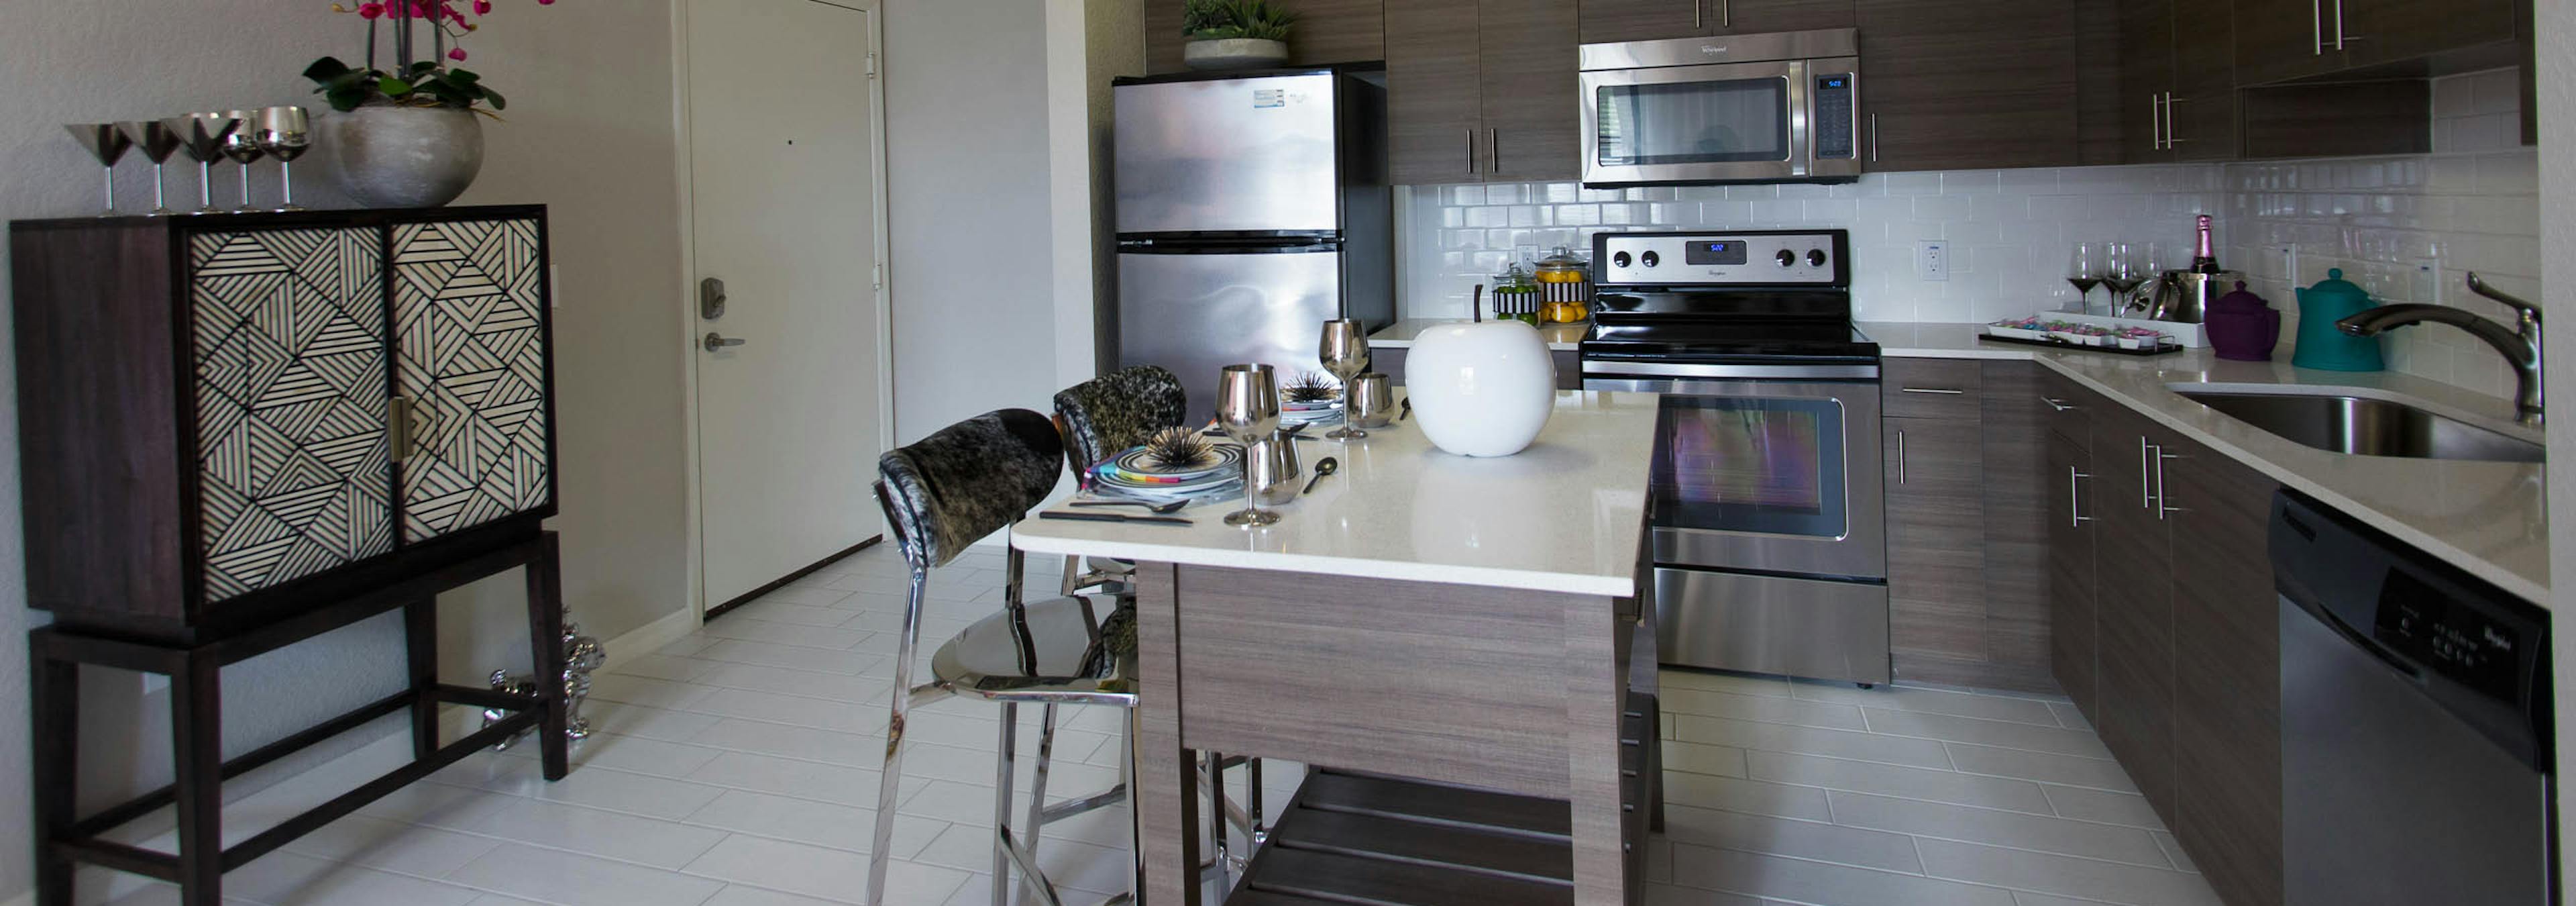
(1515, 691)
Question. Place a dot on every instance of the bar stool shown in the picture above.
(1101, 418)
(940, 495)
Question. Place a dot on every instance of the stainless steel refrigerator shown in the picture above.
(1252, 207)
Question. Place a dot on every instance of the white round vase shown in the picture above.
(1481, 389)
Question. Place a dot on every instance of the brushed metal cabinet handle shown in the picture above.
(1699, 14)
(2155, 122)
(2146, 491)
(1726, 13)
(2164, 501)
(1873, 138)
(2170, 140)
(1493, 151)
(1471, 149)
(2339, 39)
(2075, 517)
(1901, 477)
(2317, 28)
(2057, 404)
(1939, 390)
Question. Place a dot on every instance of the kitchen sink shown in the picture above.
(2364, 426)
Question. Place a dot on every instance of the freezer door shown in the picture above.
(1197, 311)
(1251, 156)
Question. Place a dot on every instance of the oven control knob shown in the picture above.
(1620, 260)
(1650, 259)
(1815, 257)
(1787, 257)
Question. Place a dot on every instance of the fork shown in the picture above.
(1159, 509)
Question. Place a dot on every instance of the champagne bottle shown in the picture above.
(2204, 259)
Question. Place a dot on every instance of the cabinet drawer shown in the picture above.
(2066, 409)
(1931, 388)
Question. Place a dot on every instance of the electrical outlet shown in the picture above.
(1932, 260)
(2282, 260)
(2427, 281)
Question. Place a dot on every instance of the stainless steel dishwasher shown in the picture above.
(2415, 724)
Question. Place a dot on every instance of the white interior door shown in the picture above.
(784, 153)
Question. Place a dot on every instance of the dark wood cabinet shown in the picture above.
(1965, 539)
(1481, 89)
(1956, 85)
(2227, 721)
(2073, 632)
(1327, 31)
(2164, 628)
(2279, 40)
(2200, 110)
(1606, 21)
(2144, 48)
(233, 417)
(2290, 40)
(1935, 546)
(2133, 591)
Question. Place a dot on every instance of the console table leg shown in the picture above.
(420, 641)
(196, 735)
(55, 689)
(546, 642)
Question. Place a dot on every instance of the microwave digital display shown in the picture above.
(1714, 252)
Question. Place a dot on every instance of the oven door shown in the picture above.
(1766, 475)
(1733, 122)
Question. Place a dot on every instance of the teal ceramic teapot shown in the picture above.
(2320, 344)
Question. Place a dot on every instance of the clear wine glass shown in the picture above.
(1345, 353)
(106, 144)
(2083, 271)
(242, 146)
(2123, 274)
(1247, 409)
(285, 133)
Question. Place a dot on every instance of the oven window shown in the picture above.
(1741, 464)
(1693, 122)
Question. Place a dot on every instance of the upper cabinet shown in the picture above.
(1481, 90)
(1952, 85)
(2177, 81)
(2283, 40)
(1328, 31)
(1606, 21)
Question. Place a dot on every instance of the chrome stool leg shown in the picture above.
(893, 773)
(1038, 787)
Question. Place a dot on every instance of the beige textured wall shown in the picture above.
(589, 132)
(1114, 33)
(2556, 23)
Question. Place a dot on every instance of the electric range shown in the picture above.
(1769, 528)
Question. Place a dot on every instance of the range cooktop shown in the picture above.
(1730, 342)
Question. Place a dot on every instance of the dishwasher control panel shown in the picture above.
(2430, 627)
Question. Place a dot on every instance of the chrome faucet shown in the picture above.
(2520, 346)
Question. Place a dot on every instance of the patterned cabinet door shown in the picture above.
(470, 333)
(288, 332)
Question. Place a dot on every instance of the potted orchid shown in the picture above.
(410, 135)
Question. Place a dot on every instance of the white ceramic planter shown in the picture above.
(1234, 53)
(1481, 389)
(404, 157)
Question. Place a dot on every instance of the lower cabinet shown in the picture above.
(2163, 630)
(1966, 575)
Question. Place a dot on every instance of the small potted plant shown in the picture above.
(409, 136)
(1235, 34)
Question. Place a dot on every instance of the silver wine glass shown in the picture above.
(105, 144)
(285, 133)
(242, 146)
(1247, 409)
(202, 136)
(157, 141)
(1345, 352)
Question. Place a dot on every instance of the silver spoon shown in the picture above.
(1326, 466)
(1156, 508)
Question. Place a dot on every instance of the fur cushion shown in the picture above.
(1118, 410)
(968, 480)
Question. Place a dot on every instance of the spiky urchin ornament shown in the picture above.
(1177, 448)
(1311, 387)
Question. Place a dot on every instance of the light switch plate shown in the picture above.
(1932, 260)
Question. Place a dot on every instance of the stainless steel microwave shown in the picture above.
(1780, 107)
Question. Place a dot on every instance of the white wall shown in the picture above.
(988, 165)
(589, 132)
(2556, 21)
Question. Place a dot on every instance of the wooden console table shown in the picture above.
(196, 706)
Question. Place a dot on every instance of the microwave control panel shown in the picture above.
(1835, 118)
(1810, 258)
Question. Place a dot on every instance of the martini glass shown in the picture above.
(105, 143)
(202, 136)
(157, 141)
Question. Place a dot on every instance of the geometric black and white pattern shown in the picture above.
(290, 354)
(468, 324)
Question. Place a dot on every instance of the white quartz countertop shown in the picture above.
(2489, 518)
(1566, 515)
(1399, 335)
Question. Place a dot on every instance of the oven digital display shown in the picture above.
(1709, 252)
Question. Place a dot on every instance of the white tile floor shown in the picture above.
(738, 767)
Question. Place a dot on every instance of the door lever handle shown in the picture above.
(716, 341)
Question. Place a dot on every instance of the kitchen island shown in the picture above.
(1418, 615)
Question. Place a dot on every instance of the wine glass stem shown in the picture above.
(205, 186)
(109, 181)
(245, 168)
(286, 185)
(160, 190)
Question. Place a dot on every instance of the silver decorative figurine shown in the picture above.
(582, 655)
